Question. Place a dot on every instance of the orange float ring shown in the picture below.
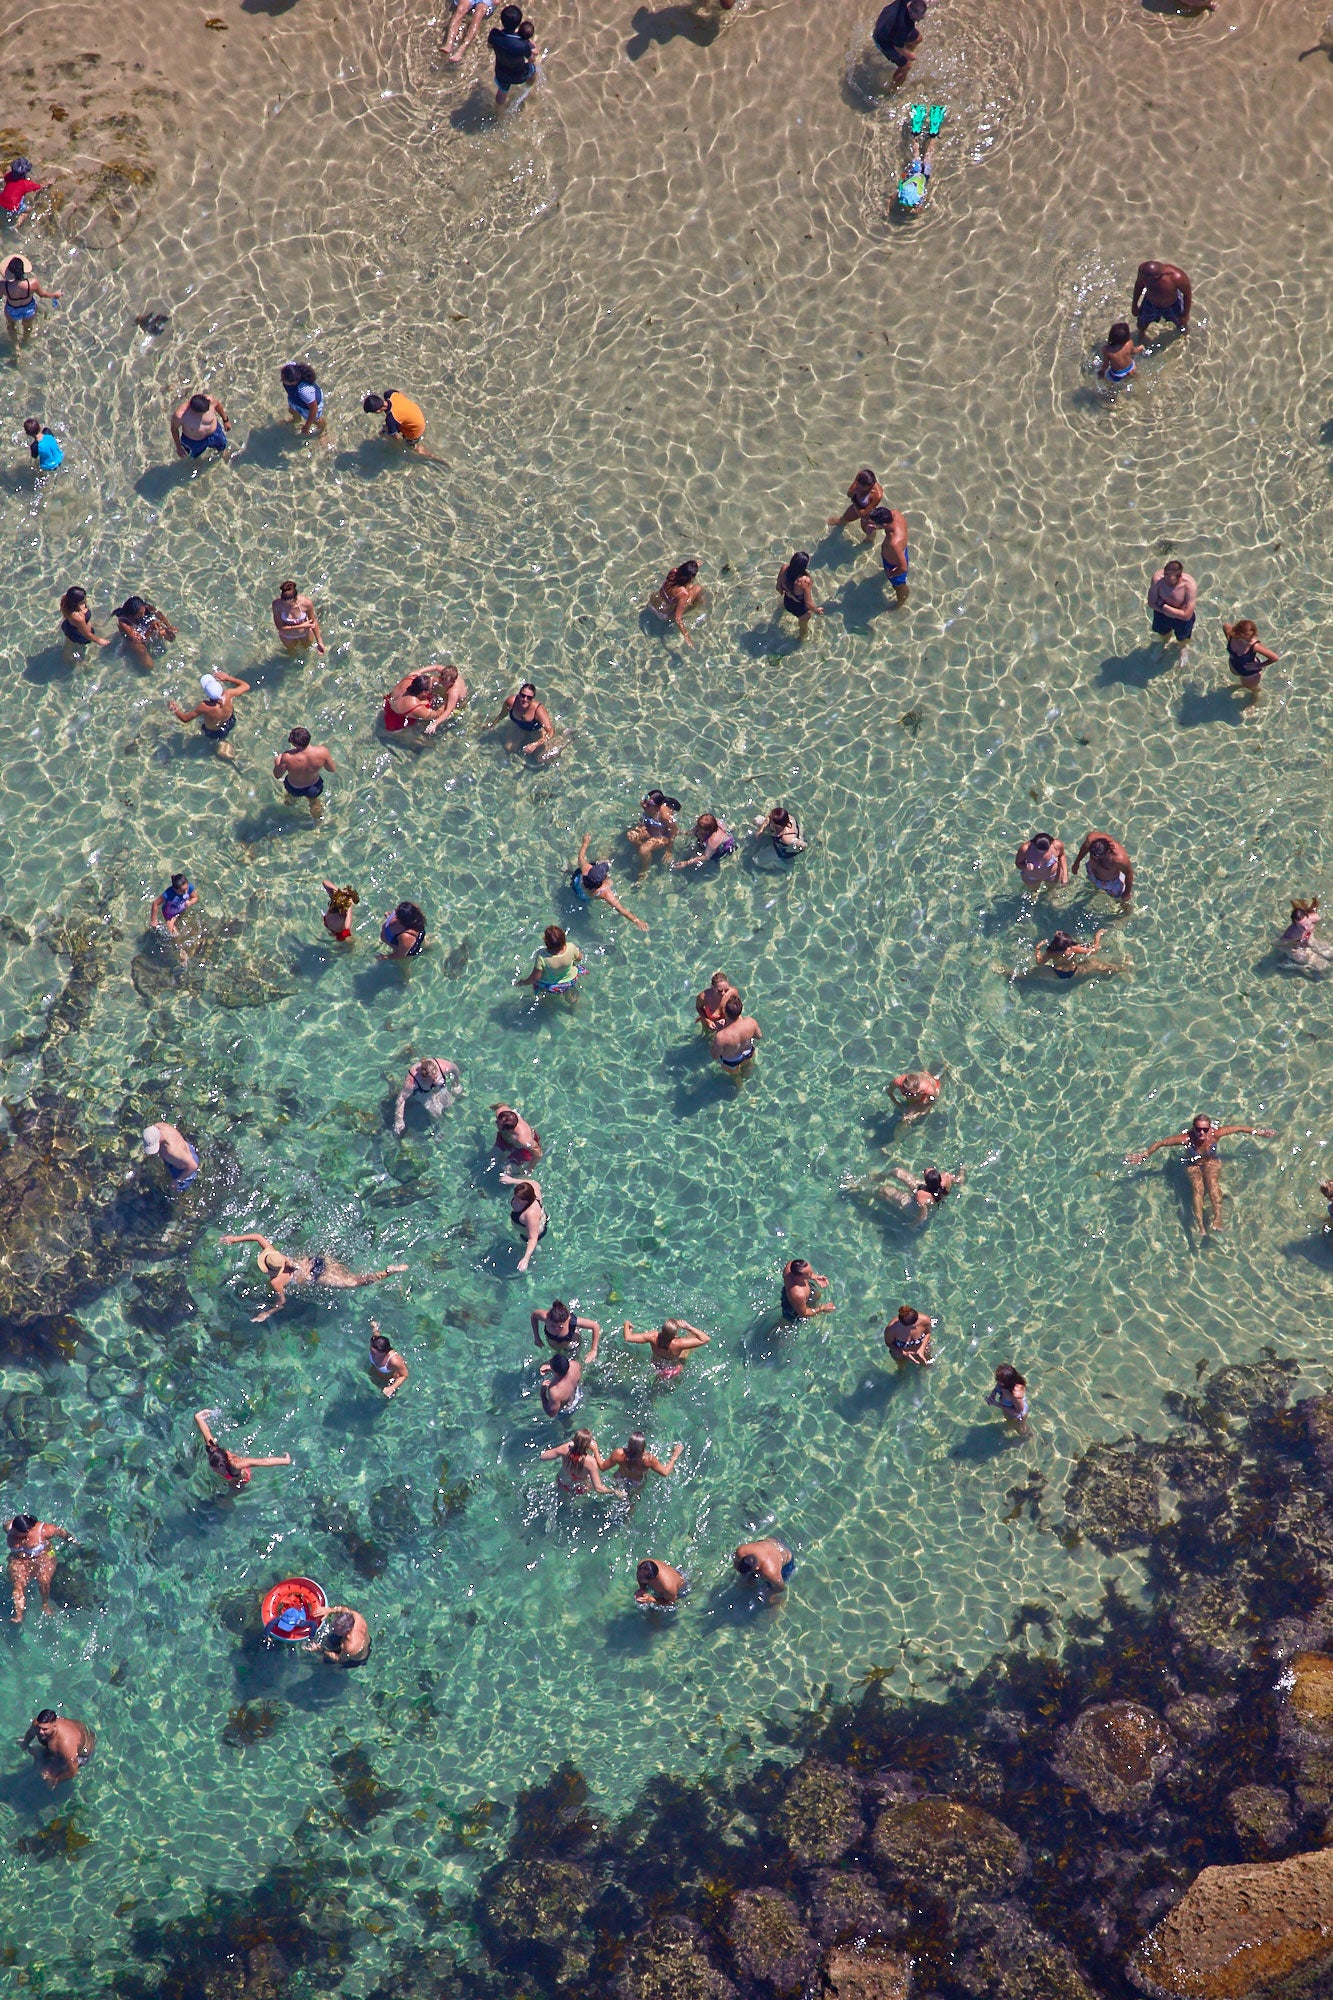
(294, 1594)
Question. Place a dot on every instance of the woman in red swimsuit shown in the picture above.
(409, 702)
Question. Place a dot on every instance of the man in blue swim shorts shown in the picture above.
(897, 36)
(766, 1562)
(199, 425)
(1162, 291)
(894, 552)
(178, 1156)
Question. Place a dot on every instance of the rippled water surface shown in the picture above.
(658, 312)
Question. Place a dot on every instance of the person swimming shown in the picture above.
(558, 968)
(713, 841)
(404, 931)
(579, 1467)
(655, 830)
(781, 830)
(1201, 1161)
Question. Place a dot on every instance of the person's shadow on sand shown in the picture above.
(658, 27)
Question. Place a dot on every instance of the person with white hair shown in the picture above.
(164, 1142)
(215, 713)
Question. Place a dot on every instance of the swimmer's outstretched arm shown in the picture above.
(698, 1338)
(638, 1339)
(596, 1339)
(1137, 1159)
(243, 1462)
(609, 895)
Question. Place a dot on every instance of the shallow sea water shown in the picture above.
(658, 313)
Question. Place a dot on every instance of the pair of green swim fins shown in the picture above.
(925, 121)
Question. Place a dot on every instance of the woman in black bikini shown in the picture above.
(76, 627)
(1201, 1161)
(526, 1213)
(528, 725)
(561, 1327)
(282, 1271)
(1247, 657)
(908, 1338)
(797, 592)
(404, 931)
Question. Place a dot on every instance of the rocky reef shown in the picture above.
(1146, 1812)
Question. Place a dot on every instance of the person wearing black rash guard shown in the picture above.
(512, 43)
(897, 36)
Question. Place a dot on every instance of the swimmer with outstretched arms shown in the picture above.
(1202, 1162)
(633, 1461)
(229, 1465)
(590, 883)
(283, 1271)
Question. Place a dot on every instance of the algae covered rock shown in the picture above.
(950, 1848)
(1115, 1753)
(769, 1942)
(820, 1815)
(1211, 1617)
(1261, 1815)
(1112, 1497)
(1001, 1955)
(1261, 1927)
(669, 1962)
(1308, 1690)
(867, 1975)
(532, 1914)
(848, 1903)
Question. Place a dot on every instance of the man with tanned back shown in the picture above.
(61, 1747)
(1162, 291)
(301, 769)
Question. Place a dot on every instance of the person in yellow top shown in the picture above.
(402, 419)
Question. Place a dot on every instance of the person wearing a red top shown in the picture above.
(17, 186)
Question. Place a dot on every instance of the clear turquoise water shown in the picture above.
(657, 315)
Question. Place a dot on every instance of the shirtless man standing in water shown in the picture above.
(62, 1747)
(215, 714)
(302, 769)
(734, 1042)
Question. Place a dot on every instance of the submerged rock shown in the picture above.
(769, 1942)
(867, 1975)
(953, 1849)
(669, 1963)
(533, 1911)
(1261, 1926)
(1261, 1815)
(848, 1904)
(1115, 1753)
(1003, 1956)
(1112, 1498)
(820, 1815)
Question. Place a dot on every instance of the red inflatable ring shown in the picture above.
(295, 1594)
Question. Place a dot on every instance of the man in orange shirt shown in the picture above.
(402, 419)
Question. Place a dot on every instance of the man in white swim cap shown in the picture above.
(164, 1142)
(215, 713)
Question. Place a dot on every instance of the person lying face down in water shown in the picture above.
(283, 1271)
